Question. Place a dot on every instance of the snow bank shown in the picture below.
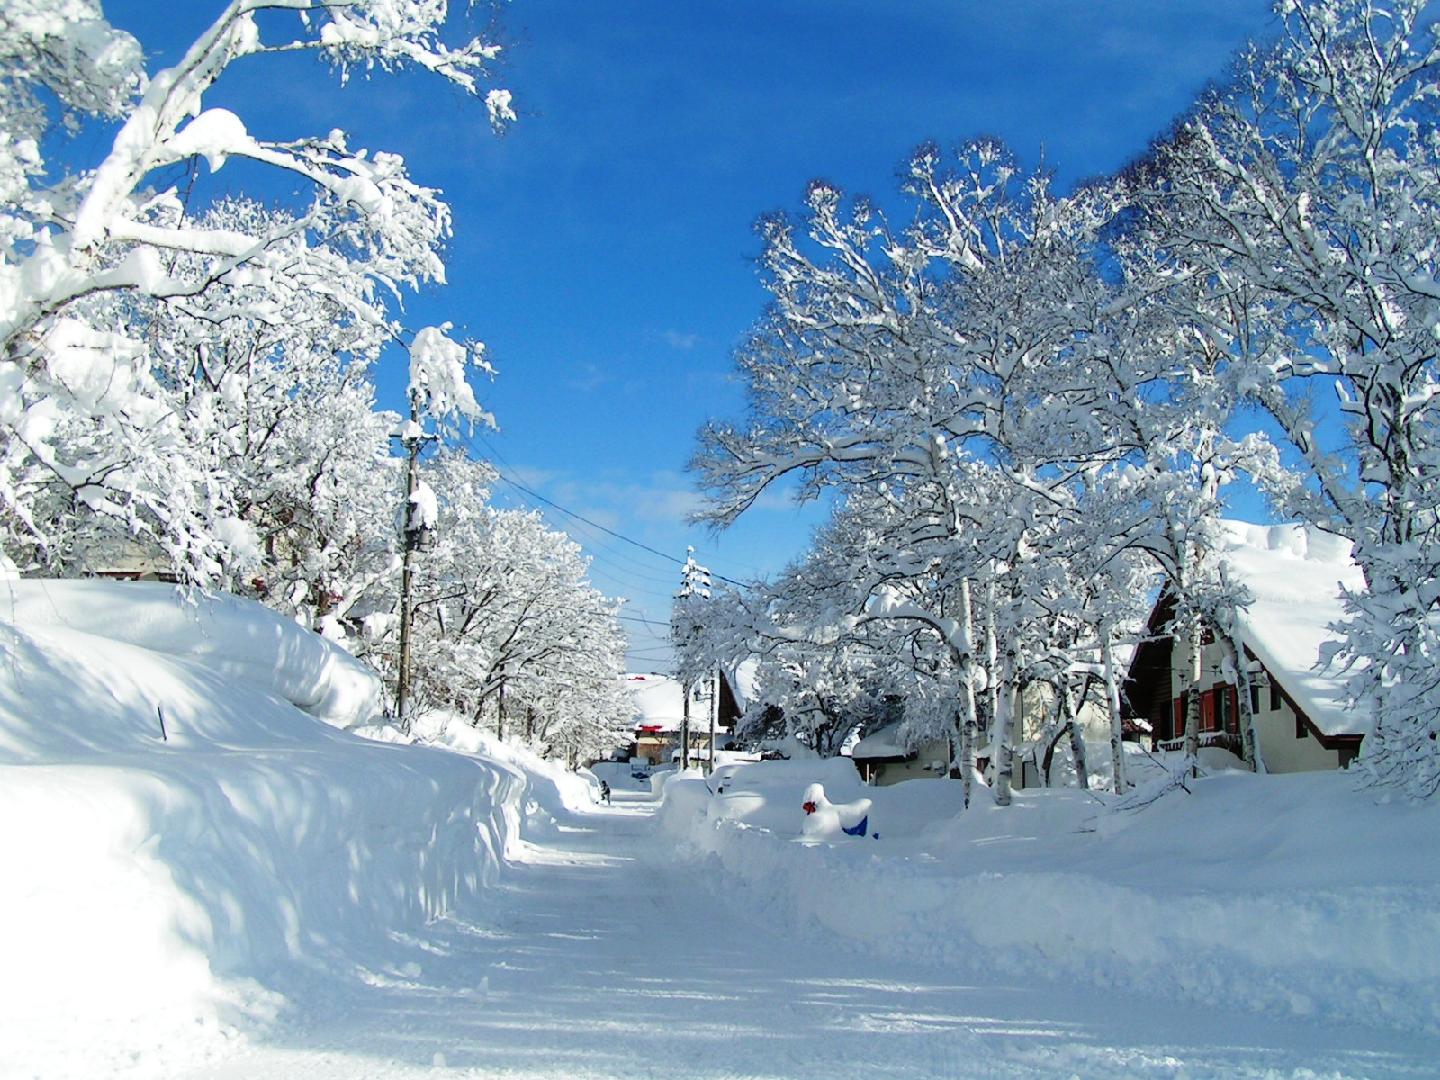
(1291, 895)
(162, 887)
(224, 635)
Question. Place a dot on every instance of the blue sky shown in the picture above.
(603, 247)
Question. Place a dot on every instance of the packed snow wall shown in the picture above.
(180, 835)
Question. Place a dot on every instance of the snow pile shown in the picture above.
(1322, 904)
(231, 638)
(183, 843)
(826, 820)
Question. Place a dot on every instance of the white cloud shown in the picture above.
(676, 340)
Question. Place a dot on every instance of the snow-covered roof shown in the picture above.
(884, 743)
(742, 682)
(1294, 574)
(659, 701)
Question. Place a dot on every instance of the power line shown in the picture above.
(596, 525)
(609, 532)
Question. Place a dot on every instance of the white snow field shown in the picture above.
(262, 894)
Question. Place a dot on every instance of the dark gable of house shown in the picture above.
(1149, 694)
(1146, 690)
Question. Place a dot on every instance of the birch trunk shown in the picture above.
(1077, 738)
(965, 751)
(1249, 734)
(1196, 645)
(1112, 698)
(992, 652)
(965, 663)
(1003, 742)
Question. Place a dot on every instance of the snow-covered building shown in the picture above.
(660, 711)
(885, 757)
(1294, 575)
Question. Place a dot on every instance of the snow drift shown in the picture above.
(1294, 895)
(181, 837)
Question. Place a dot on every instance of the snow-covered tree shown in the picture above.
(85, 411)
(1304, 196)
(938, 375)
(508, 631)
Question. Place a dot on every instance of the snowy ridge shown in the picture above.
(226, 635)
(1294, 574)
(1174, 902)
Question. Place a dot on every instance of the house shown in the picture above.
(659, 712)
(884, 757)
(129, 560)
(1294, 575)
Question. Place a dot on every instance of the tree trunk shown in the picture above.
(1077, 738)
(1117, 727)
(992, 653)
(1003, 741)
(966, 665)
(1249, 734)
(1196, 646)
(964, 741)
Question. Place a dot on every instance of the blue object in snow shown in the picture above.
(857, 830)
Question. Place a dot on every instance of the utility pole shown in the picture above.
(685, 724)
(714, 715)
(412, 436)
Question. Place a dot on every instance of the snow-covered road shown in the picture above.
(600, 957)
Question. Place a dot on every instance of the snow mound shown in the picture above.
(227, 636)
(1324, 905)
(172, 884)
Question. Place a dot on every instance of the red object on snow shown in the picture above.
(810, 808)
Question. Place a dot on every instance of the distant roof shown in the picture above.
(659, 701)
(742, 681)
(1294, 574)
(880, 745)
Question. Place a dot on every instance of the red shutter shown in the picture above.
(1207, 711)
(1232, 715)
(1179, 729)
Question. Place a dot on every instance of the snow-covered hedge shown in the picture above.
(1294, 895)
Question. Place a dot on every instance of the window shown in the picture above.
(1274, 695)
(1254, 696)
(1301, 731)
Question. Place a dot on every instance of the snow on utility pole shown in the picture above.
(684, 628)
(416, 528)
